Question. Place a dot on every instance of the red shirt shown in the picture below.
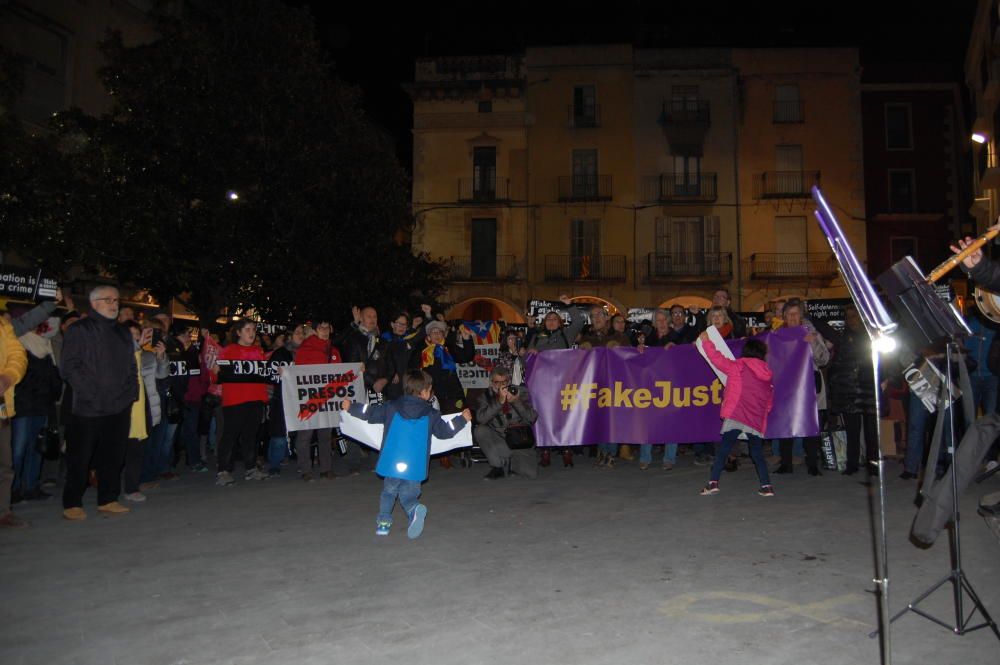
(316, 351)
(241, 393)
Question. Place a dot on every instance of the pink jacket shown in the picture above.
(749, 392)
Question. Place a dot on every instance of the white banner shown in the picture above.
(312, 393)
(371, 435)
(477, 374)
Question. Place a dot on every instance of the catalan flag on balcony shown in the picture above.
(584, 267)
(484, 332)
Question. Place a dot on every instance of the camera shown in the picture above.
(512, 390)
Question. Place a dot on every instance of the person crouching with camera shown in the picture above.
(504, 417)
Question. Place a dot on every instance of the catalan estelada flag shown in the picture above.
(485, 332)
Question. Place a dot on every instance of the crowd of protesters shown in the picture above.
(103, 399)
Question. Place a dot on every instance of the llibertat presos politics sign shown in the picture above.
(620, 395)
(312, 394)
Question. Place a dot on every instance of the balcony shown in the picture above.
(789, 112)
(502, 269)
(682, 188)
(602, 268)
(686, 112)
(689, 267)
(583, 117)
(585, 187)
(483, 190)
(789, 266)
(784, 184)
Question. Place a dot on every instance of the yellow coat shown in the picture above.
(13, 362)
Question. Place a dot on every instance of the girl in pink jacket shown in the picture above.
(745, 404)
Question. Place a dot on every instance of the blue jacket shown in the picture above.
(406, 441)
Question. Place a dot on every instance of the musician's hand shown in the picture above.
(972, 260)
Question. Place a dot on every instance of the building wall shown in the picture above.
(982, 78)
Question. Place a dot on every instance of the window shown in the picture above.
(585, 181)
(484, 174)
(686, 246)
(687, 175)
(901, 190)
(788, 162)
(684, 98)
(898, 133)
(485, 107)
(791, 235)
(585, 248)
(584, 106)
(484, 248)
(902, 246)
(787, 105)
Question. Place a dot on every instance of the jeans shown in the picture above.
(277, 449)
(159, 454)
(984, 392)
(407, 491)
(27, 460)
(729, 440)
(669, 453)
(917, 419)
(608, 448)
(189, 434)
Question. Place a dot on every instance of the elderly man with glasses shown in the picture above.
(499, 409)
(98, 362)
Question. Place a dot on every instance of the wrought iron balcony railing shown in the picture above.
(789, 112)
(483, 190)
(664, 267)
(585, 187)
(784, 184)
(682, 187)
(778, 266)
(584, 116)
(595, 268)
(500, 268)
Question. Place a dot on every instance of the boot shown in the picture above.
(495, 472)
(625, 452)
(446, 462)
(546, 458)
(567, 458)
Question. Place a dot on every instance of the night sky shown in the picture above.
(376, 51)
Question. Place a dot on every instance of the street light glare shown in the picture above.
(885, 344)
(233, 196)
(979, 138)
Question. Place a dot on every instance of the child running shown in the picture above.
(745, 404)
(406, 443)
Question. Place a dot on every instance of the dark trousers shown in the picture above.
(853, 424)
(811, 445)
(98, 441)
(135, 454)
(240, 424)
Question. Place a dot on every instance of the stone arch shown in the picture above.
(486, 309)
(687, 301)
(612, 306)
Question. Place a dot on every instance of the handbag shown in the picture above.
(519, 437)
(47, 444)
(834, 444)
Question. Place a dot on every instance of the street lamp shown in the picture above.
(978, 137)
(232, 195)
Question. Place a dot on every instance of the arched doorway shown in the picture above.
(612, 308)
(485, 309)
(686, 302)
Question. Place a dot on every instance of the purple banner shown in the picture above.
(619, 395)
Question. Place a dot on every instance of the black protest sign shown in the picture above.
(26, 284)
(831, 311)
(246, 371)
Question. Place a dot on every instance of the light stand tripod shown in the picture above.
(959, 581)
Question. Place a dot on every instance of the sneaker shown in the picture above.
(224, 478)
(326, 475)
(766, 490)
(198, 468)
(12, 521)
(711, 488)
(702, 460)
(417, 521)
(74, 514)
(145, 487)
(668, 466)
(643, 466)
(113, 508)
(138, 497)
(169, 475)
(255, 474)
(382, 528)
(271, 473)
(308, 477)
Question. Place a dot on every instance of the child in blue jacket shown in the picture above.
(406, 443)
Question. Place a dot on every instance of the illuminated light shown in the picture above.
(233, 196)
(979, 138)
(884, 344)
(402, 466)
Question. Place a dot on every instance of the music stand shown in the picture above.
(928, 321)
(880, 328)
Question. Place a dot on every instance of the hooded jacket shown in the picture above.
(561, 338)
(315, 351)
(749, 392)
(13, 364)
(41, 386)
(405, 450)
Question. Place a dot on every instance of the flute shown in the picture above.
(947, 266)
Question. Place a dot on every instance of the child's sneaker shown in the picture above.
(711, 488)
(382, 528)
(766, 490)
(417, 521)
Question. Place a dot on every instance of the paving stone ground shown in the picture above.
(583, 566)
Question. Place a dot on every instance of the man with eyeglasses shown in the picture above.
(500, 408)
(98, 362)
